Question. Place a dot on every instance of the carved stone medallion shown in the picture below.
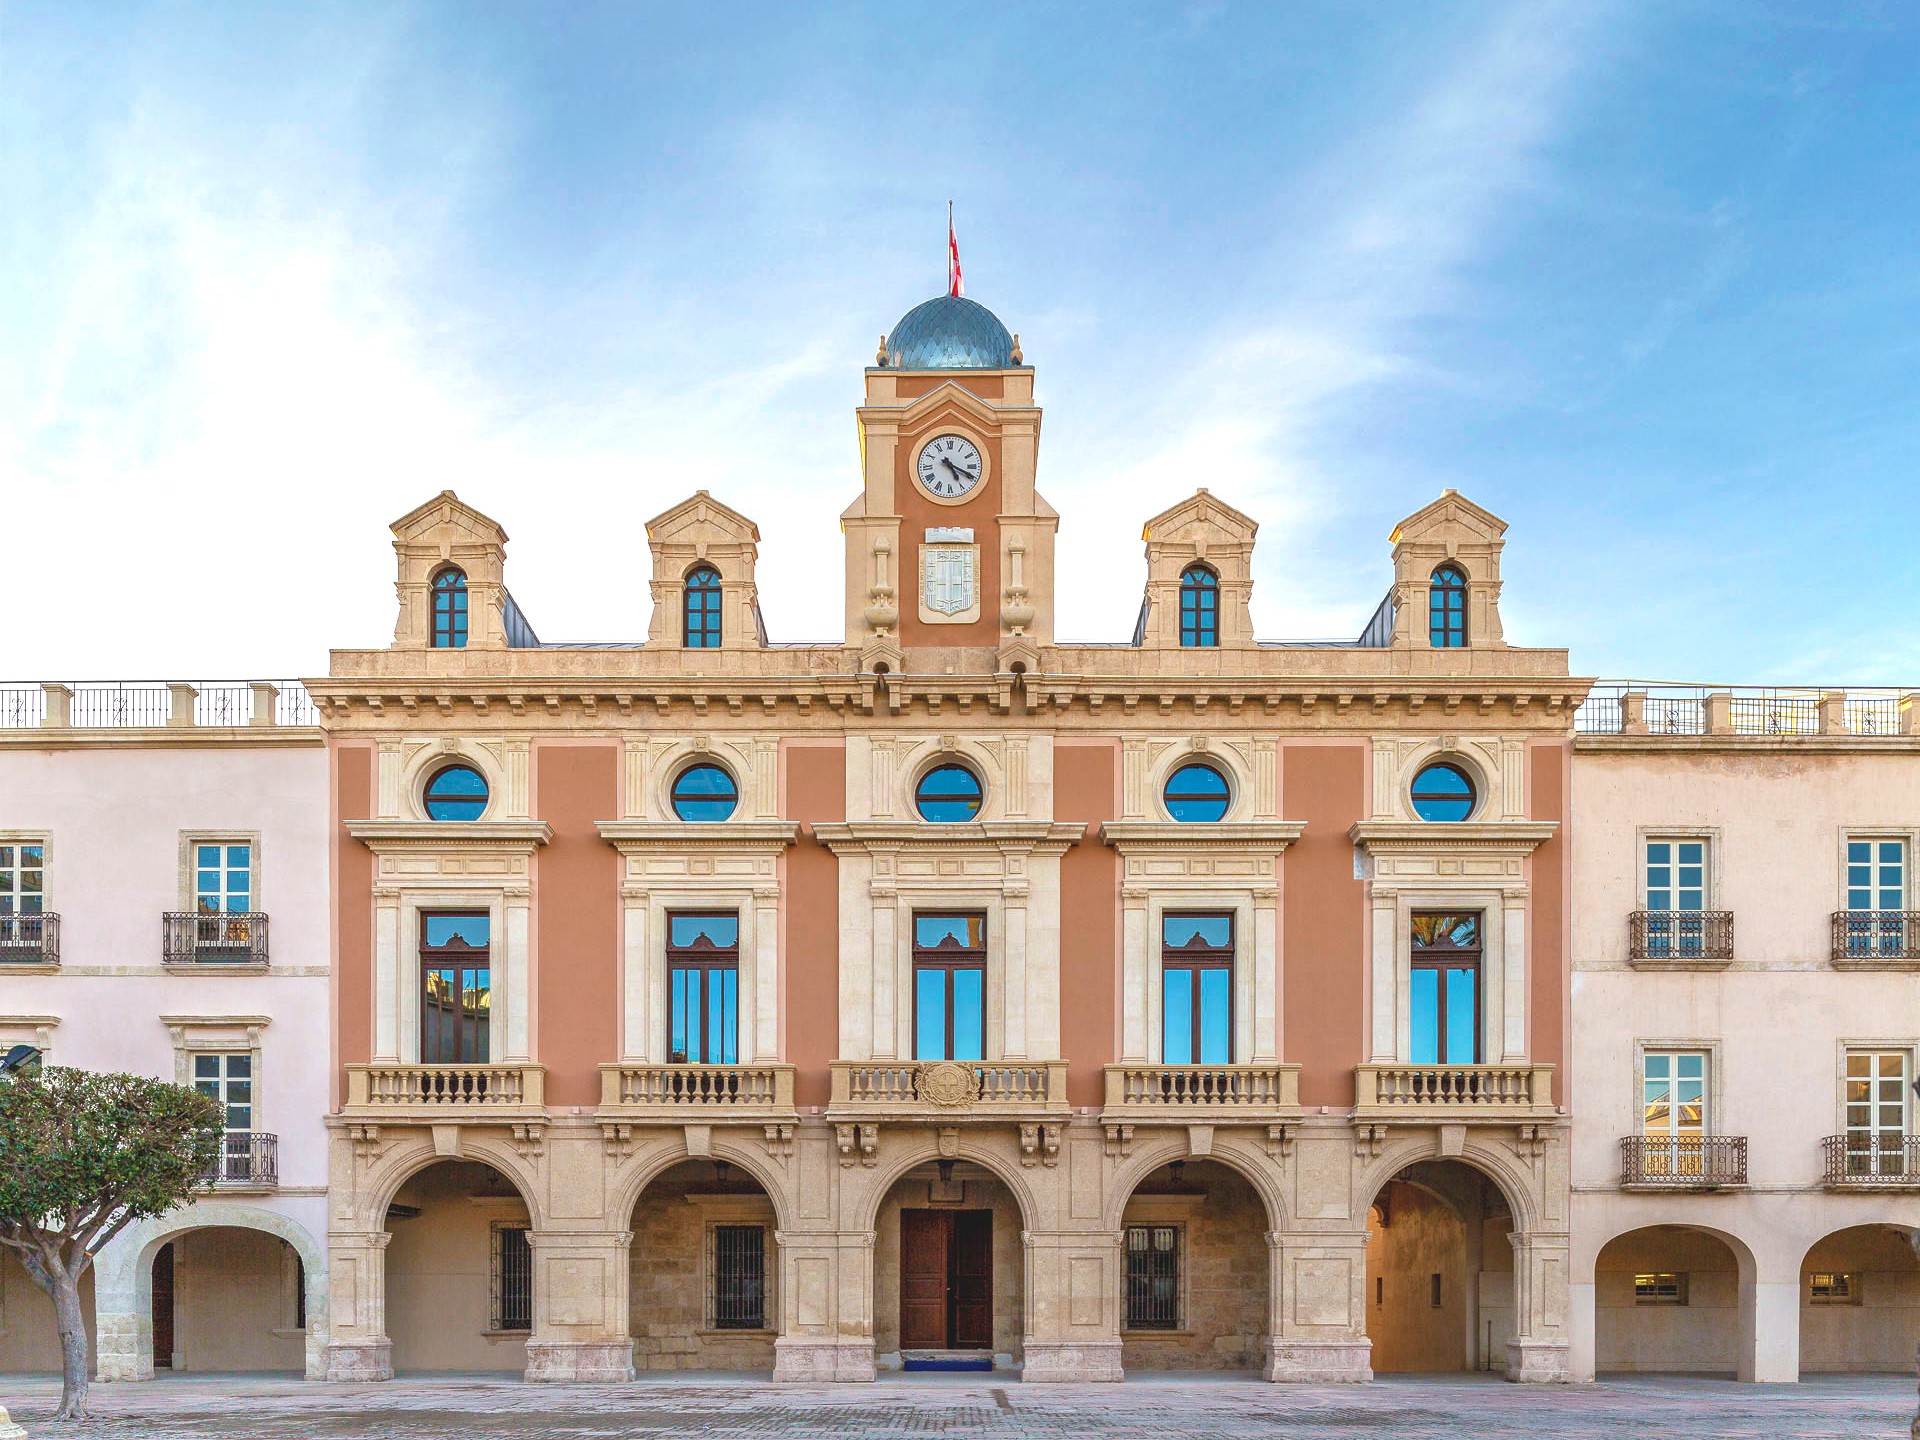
(949, 1084)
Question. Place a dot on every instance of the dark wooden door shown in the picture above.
(163, 1309)
(972, 1268)
(924, 1236)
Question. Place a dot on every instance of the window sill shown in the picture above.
(28, 967)
(1876, 962)
(1679, 962)
(715, 1333)
(215, 967)
(1183, 1333)
(288, 1334)
(504, 1337)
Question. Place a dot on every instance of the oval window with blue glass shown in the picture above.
(1197, 792)
(456, 792)
(947, 794)
(1443, 792)
(704, 793)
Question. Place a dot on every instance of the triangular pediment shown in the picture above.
(448, 510)
(949, 396)
(701, 513)
(1200, 511)
(1451, 511)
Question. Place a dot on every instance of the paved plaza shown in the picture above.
(981, 1408)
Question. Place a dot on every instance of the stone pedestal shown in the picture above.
(1539, 1362)
(1071, 1361)
(1319, 1362)
(601, 1361)
(803, 1360)
(9, 1430)
(360, 1360)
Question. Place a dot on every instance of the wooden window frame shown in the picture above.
(718, 958)
(1196, 960)
(1443, 958)
(933, 957)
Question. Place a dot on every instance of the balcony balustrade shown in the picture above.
(1872, 939)
(29, 940)
(1255, 1093)
(1453, 1092)
(248, 1160)
(949, 1088)
(1870, 1162)
(698, 1092)
(1680, 939)
(447, 1092)
(214, 938)
(1683, 1162)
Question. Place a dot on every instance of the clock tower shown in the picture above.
(949, 547)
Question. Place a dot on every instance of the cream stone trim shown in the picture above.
(407, 766)
(1247, 765)
(1497, 765)
(222, 1035)
(1844, 833)
(1716, 1080)
(653, 764)
(1909, 1046)
(677, 865)
(1716, 858)
(190, 838)
(34, 1030)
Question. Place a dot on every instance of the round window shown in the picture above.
(704, 792)
(1197, 792)
(1442, 792)
(948, 793)
(456, 792)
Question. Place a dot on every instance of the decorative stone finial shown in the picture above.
(880, 355)
(1016, 349)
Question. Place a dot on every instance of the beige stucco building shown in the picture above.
(163, 910)
(1747, 1007)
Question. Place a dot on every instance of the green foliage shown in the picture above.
(82, 1153)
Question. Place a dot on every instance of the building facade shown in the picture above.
(948, 993)
(163, 910)
(1747, 988)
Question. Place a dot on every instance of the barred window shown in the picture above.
(739, 1272)
(1153, 1277)
(1830, 1287)
(1662, 1288)
(512, 1278)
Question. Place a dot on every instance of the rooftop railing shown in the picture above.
(156, 705)
(1646, 708)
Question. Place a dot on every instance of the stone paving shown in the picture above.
(979, 1408)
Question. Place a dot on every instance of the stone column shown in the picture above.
(123, 1324)
(765, 1040)
(580, 1306)
(826, 1306)
(1770, 1328)
(1317, 1307)
(357, 1343)
(1539, 1352)
(1073, 1298)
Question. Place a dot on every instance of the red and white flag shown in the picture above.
(953, 255)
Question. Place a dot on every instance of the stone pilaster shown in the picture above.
(580, 1307)
(1073, 1308)
(1317, 1285)
(1539, 1352)
(357, 1344)
(826, 1289)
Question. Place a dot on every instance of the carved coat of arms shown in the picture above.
(949, 578)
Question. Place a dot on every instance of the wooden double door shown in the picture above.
(946, 1279)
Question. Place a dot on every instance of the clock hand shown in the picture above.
(963, 474)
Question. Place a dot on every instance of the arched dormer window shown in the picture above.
(1199, 607)
(703, 608)
(450, 609)
(1447, 609)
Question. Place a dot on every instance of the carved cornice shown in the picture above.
(1423, 837)
(631, 836)
(1262, 836)
(442, 835)
(1039, 837)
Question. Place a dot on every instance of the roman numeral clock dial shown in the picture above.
(948, 467)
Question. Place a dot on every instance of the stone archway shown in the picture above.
(1195, 1267)
(459, 1269)
(949, 1268)
(703, 1269)
(123, 1285)
(1440, 1270)
(1860, 1301)
(1671, 1297)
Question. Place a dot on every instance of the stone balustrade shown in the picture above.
(482, 1091)
(949, 1087)
(1453, 1092)
(698, 1092)
(1180, 1092)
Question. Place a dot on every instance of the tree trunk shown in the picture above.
(73, 1345)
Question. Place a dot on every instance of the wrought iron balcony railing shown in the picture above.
(247, 1158)
(223, 938)
(29, 939)
(1868, 1162)
(1681, 937)
(1870, 936)
(1683, 1162)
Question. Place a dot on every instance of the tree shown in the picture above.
(83, 1154)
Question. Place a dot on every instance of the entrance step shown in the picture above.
(946, 1360)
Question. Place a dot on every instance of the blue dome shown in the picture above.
(950, 332)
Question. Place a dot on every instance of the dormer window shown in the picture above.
(450, 609)
(703, 608)
(1447, 609)
(1199, 607)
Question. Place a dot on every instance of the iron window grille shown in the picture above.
(702, 608)
(1199, 607)
(1196, 978)
(1684, 1162)
(1153, 1277)
(250, 1158)
(1447, 609)
(703, 978)
(512, 1277)
(739, 1270)
(1876, 934)
(201, 937)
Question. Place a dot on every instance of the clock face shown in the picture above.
(949, 466)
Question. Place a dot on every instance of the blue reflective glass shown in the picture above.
(458, 792)
(473, 930)
(449, 610)
(1447, 609)
(1216, 1010)
(1180, 931)
(1461, 1014)
(948, 793)
(703, 609)
(968, 931)
(969, 1014)
(722, 992)
(1442, 792)
(1197, 792)
(721, 932)
(1424, 1036)
(930, 1015)
(704, 793)
(1176, 1018)
(1199, 600)
(677, 1042)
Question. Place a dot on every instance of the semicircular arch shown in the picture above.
(382, 1183)
(630, 1187)
(1514, 1184)
(1150, 1158)
(867, 1214)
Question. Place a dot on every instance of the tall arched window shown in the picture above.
(450, 609)
(1199, 606)
(703, 608)
(1447, 609)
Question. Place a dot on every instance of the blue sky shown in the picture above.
(1639, 278)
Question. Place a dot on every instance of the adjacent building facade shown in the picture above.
(163, 910)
